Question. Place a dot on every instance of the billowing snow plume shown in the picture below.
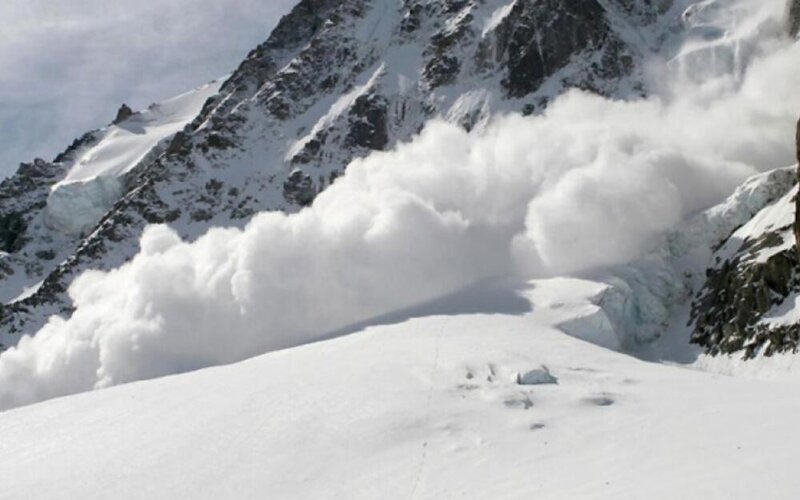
(590, 183)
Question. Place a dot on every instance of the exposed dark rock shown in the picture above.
(728, 312)
(179, 146)
(299, 188)
(368, 123)
(123, 114)
(412, 18)
(793, 12)
(738, 294)
(201, 215)
(443, 66)
(294, 31)
(85, 140)
(311, 149)
(442, 70)
(21, 196)
(46, 255)
(12, 230)
(216, 141)
(538, 38)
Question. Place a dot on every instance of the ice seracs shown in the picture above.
(95, 180)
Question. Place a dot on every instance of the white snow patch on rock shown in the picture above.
(497, 17)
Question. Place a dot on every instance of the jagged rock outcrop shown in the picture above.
(534, 44)
(123, 114)
(20, 197)
(744, 305)
(729, 313)
(335, 80)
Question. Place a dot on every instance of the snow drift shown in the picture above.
(590, 183)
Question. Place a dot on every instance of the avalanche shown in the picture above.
(588, 186)
(494, 313)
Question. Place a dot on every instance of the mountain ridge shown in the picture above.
(351, 77)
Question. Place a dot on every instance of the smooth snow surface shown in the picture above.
(125, 144)
(427, 408)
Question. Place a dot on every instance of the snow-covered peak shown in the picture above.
(95, 181)
(122, 145)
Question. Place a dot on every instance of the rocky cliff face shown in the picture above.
(794, 17)
(335, 80)
(748, 300)
(747, 304)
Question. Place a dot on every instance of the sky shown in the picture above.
(67, 65)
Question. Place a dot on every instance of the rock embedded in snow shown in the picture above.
(123, 114)
(538, 376)
(384, 425)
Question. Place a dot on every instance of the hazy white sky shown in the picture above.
(67, 65)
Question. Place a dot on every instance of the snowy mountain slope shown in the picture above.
(46, 208)
(426, 408)
(336, 80)
(94, 182)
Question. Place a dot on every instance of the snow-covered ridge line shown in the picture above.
(95, 181)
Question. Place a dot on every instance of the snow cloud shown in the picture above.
(67, 65)
(592, 182)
